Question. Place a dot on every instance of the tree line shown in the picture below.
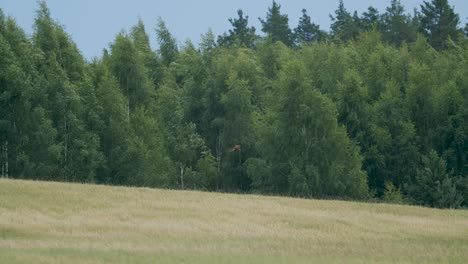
(377, 108)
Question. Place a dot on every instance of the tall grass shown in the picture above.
(71, 223)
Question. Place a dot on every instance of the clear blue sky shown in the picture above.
(93, 24)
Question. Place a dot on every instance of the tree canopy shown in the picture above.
(372, 109)
(276, 26)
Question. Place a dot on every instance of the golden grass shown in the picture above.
(70, 223)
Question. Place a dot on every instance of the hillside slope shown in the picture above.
(70, 223)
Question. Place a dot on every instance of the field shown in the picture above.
(72, 223)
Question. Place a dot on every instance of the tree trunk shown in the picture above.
(66, 142)
(240, 163)
(218, 161)
(6, 159)
(128, 110)
(3, 162)
(182, 175)
(128, 102)
(65, 159)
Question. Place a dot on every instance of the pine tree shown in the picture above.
(345, 26)
(323, 120)
(439, 22)
(241, 32)
(434, 185)
(276, 25)
(370, 19)
(398, 27)
(308, 32)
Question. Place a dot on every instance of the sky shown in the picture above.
(93, 24)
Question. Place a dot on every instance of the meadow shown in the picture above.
(44, 222)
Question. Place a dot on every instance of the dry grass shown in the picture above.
(69, 223)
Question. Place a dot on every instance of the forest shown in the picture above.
(375, 109)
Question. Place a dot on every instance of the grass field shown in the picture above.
(71, 223)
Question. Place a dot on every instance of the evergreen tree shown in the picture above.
(398, 27)
(241, 32)
(324, 120)
(439, 22)
(435, 186)
(276, 25)
(308, 32)
(370, 19)
(345, 26)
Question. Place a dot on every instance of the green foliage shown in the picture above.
(234, 86)
(395, 156)
(60, 71)
(420, 102)
(142, 44)
(434, 185)
(259, 172)
(398, 26)
(272, 56)
(144, 161)
(370, 19)
(311, 144)
(206, 172)
(439, 22)
(241, 35)
(466, 29)
(115, 128)
(276, 25)
(392, 194)
(307, 32)
(167, 44)
(127, 64)
(345, 27)
(345, 119)
(185, 146)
